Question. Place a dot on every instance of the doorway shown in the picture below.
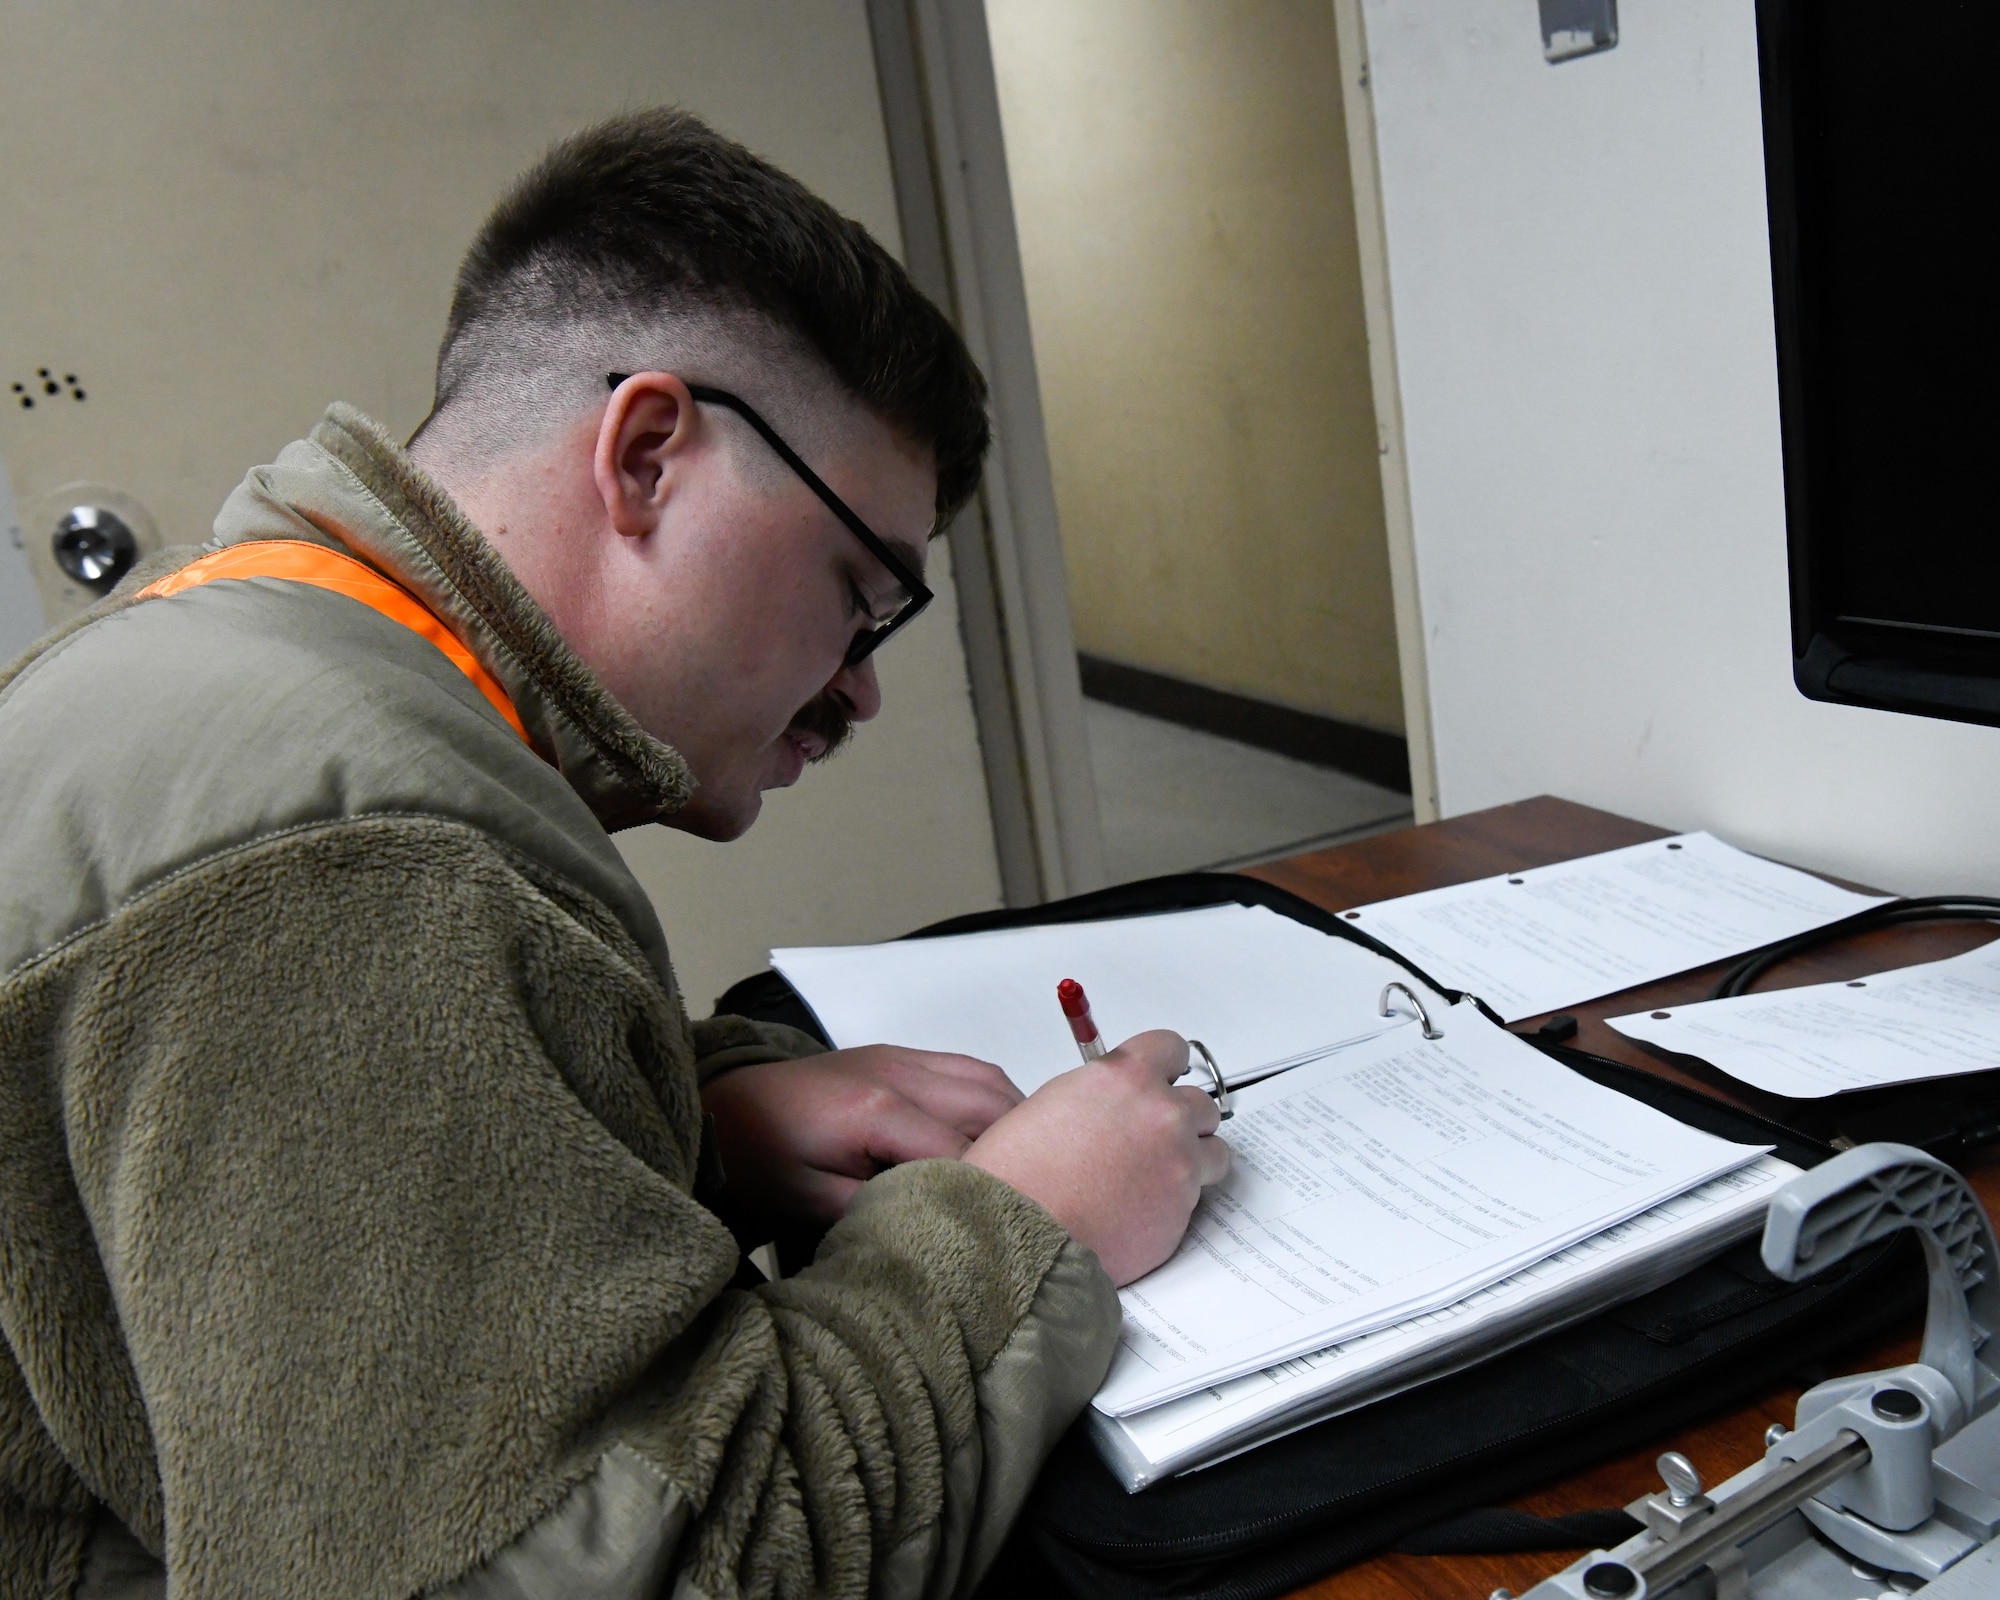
(1187, 231)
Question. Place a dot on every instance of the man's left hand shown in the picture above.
(799, 1138)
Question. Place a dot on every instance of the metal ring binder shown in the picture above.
(1215, 1077)
(1423, 1016)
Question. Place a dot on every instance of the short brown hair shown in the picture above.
(655, 210)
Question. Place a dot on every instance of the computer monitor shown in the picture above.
(1882, 156)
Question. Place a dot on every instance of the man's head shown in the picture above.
(711, 587)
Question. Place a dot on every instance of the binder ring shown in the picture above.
(1410, 995)
(1217, 1087)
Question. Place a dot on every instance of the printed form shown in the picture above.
(1604, 1270)
(1390, 1180)
(1548, 937)
(1930, 1021)
(1261, 991)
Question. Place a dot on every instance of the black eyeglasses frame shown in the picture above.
(868, 640)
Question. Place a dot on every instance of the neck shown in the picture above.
(528, 507)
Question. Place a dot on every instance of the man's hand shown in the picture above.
(1114, 1152)
(798, 1138)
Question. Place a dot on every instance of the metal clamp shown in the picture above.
(1216, 1086)
(1409, 994)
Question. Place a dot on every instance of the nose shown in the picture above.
(860, 688)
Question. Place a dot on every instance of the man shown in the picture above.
(358, 1232)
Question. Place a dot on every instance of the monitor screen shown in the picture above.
(1882, 149)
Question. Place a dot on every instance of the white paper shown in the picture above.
(1607, 1268)
(1386, 1181)
(1548, 937)
(1260, 990)
(1930, 1021)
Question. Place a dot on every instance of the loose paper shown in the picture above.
(1392, 1179)
(1930, 1021)
(1548, 937)
(1261, 991)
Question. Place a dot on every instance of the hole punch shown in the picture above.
(1431, 1031)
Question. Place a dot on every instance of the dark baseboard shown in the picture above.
(1381, 758)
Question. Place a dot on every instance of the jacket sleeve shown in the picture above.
(386, 1140)
(723, 1043)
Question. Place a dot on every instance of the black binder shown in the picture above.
(1417, 1470)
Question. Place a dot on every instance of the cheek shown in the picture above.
(777, 654)
(768, 617)
(785, 633)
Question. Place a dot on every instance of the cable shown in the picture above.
(1922, 908)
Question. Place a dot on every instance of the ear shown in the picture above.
(646, 431)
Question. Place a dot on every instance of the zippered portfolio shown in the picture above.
(1424, 1469)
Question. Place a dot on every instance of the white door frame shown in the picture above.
(1371, 230)
(941, 108)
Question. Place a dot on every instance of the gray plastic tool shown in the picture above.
(1890, 1481)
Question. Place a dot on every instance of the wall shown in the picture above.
(1578, 264)
(20, 608)
(1187, 233)
(223, 214)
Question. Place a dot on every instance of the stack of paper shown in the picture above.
(1261, 991)
(1928, 1021)
(1400, 1208)
(1604, 1270)
(1548, 937)
(1386, 1182)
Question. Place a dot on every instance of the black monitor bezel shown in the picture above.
(1834, 658)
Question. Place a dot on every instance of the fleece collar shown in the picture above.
(349, 484)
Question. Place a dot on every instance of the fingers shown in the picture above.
(969, 1107)
(970, 1068)
(1203, 1114)
(1213, 1158)
(898, 1131)
(1160, 1051)
(970, 1099)
(821, 1195)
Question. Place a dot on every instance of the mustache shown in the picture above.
(827, 718)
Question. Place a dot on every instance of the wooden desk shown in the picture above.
(1531, 834)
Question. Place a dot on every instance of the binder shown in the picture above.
(1421, 1466)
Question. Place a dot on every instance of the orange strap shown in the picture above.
(297, 561)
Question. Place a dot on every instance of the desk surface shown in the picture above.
(1531, 834)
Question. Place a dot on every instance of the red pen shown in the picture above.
(1076, 1007)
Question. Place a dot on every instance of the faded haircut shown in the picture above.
(650, 241)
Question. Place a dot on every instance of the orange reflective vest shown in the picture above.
(297, 561)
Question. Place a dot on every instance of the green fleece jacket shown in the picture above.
(349, 1124)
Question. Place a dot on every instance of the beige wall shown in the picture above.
(221, 214)
(1187, 230)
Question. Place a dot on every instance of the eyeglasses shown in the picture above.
(914, 595)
